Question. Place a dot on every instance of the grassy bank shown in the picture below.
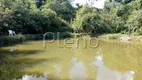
(9, 40)
(19, 38)
(133, 38)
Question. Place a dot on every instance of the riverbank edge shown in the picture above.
(6, 40)
(121, 37)
(10, 40)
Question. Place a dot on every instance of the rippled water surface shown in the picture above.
(111, 60)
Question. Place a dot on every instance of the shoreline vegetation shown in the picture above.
(30, 19)
(11, 40)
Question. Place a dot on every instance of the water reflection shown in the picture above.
(73, 64)
(34, 77)
(105, 73)
(78, 71)
(57, 69)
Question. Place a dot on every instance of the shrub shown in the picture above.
(8, 40)
(21, 37)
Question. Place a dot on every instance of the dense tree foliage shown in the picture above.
(87, 20)
(62, 7)
(40, 16)
(118, 16)
(27, 17)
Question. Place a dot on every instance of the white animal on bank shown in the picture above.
(11, 33)
(105, 73)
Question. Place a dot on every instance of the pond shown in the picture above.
(111, 60)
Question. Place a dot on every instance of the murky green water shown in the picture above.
(74, 63)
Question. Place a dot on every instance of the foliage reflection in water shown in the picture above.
(121, 61)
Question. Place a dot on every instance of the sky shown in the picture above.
(93, 3)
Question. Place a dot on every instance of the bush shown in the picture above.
(9, 40)
(113, 37)
(21, 37)
(34, 36)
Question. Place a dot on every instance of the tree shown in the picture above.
(62, 7)
(5, 17)
(88, 20)
(24, 17)
(134, 22)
